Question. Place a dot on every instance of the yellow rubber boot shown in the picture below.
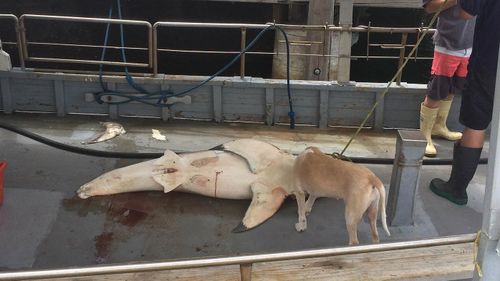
(440, 128)
(427, 118)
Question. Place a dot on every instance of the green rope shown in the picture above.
(426, 30)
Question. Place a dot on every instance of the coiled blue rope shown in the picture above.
(161, 97)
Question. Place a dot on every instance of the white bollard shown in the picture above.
(5, 63)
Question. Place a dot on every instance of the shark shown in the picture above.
(239, 169)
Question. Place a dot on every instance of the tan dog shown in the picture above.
(320, 175)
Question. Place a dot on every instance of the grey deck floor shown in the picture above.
(44, 225)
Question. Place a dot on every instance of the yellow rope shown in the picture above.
(426, 30)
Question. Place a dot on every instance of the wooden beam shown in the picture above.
(345, 20)
(432, 263)
(320, 13)
(449, 262)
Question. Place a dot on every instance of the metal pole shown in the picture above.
(155, 49)
(243, 46)
(150, 46)
(488, 258)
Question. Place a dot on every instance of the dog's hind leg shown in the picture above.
(372, 213)
(355, 207)
(352, 219)
(300, 196)
(309, 203)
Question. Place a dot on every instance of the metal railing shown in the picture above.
(25, 42)
(242, 27)
(18, 42)
(153, 47)
(245, 262)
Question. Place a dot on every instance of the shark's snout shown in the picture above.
(85, 191)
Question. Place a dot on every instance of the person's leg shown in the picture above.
(431, 103)
(466, 155)
(459, 66)
(438, 90)
(440, 128)
(475, 114)
(473, 138)
(428, 113)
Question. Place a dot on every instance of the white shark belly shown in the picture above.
(225, 176)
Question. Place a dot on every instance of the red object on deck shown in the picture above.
(3, 165)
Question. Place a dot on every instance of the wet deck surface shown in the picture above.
(44, 225)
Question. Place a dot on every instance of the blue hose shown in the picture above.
(161, 97)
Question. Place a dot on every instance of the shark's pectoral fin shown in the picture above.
(169, 171)
(265, 202)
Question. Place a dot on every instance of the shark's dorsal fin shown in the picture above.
(258, 154)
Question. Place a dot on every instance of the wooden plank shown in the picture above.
(6, 95)
(449, 262)
(60, 100)
(113, 109)
(166, 113)
(435, 263)
(270, 108)
(379, 112)
(217, 107)
(323, 109)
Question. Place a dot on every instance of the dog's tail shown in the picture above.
(383, 216)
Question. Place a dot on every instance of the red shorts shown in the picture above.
(448, 75)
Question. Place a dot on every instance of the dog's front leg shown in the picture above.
(309, 203)
(301, 225)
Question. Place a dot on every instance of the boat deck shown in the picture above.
(43, 224)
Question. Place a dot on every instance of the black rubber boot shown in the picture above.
(465, 161)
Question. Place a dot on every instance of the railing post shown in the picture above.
(410, 147)
(243, 46)
(402, 53)
(155, 49)
(246, 272)
(344, 66)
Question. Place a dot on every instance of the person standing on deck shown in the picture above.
(453, 46)
(477, 99)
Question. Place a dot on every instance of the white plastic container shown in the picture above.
(5, 63)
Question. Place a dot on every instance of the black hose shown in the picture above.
(152, 155)
(79, 150)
